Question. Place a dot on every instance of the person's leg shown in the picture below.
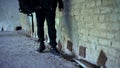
(50, 17)
(40, 15)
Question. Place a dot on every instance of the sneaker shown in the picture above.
(41, 48)
(54, 51)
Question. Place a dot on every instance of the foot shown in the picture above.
(55, 51)
(41, 48)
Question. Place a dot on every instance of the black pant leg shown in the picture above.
(50, 17)
(40, 15)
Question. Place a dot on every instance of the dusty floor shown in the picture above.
(18, 51)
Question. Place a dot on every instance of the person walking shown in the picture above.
(46, 9)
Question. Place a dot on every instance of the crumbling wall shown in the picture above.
(91, 26)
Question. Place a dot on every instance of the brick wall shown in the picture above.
(94, 24)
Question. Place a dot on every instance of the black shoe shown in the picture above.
(55, 51)
(41, 48)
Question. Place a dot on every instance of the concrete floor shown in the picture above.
(18, 51)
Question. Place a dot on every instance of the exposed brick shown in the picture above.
(59, 45)
(69, 45)
(102, 59)
(82, 51)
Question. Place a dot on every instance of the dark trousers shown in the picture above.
(49, 15)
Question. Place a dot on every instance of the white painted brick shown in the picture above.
(117, 10)
(101, 34)
(112, 17)
(107, 2)
(116, 26)
(117, 36)
(106, 10)
(90, 4)
(96, 10)
(116, 44)
(98, 3)
(102, 18)
(104, 42)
